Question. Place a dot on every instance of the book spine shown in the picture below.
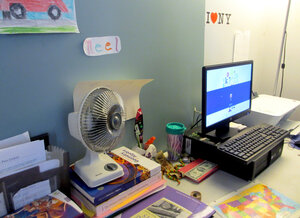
(89, 208)
(23, 155)
(127, 194)
(144, 193)
(82, 191)
(137, 159)
(105, 196)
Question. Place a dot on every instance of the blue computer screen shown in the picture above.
(228, 92)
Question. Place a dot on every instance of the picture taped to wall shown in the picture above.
(96, 46)
(37, 16)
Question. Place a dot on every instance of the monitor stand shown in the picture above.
(223, 133)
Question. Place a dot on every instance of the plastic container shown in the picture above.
(175, 133)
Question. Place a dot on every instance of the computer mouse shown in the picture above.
(297, 143)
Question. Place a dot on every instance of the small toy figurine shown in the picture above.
(151, 151)
(168, 168)
(149, 142)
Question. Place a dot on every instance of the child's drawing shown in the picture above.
(37, 16)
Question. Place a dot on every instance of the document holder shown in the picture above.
(10, 185)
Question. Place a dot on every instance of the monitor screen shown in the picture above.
(226, 94)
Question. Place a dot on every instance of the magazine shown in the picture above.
(169, 202)
(55, 204)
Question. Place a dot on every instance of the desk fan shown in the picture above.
(99, 124)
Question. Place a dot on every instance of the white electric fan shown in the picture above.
(99, 124)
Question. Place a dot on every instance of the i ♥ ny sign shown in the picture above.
(217, 18)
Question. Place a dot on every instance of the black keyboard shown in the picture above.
(253, 140)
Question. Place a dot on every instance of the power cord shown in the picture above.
(283, 65)
(254, 94)
(197, 119)
(196, 123)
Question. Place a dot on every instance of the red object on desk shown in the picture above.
(198, 170)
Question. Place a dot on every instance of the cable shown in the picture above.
(281, 48)
(197, 119)
(196, 122)
(283, 65)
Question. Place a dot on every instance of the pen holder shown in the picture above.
(174, 140)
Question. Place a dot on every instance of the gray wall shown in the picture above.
(162, 40)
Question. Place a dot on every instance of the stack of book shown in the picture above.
(142, 177)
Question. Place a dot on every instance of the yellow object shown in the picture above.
(86, 211)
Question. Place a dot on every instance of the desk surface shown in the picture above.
(283, 175)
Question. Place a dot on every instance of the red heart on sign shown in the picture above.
(213, 17)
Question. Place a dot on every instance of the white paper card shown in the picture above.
(43, 167)
(15, 140)
(30, 193)
(102, 45)
(241, 46)
(23, 155)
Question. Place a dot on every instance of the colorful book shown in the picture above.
(169, 203)
(199, 170)
(137, 168)
(257, 201)
(119, 201)
(146, 192)
(55, 204)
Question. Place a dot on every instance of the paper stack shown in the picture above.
(26, 174)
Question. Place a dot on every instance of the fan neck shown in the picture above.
(90, 156)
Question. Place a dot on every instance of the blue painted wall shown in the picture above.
(161, 40)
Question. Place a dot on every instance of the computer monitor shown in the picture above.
(226, 96)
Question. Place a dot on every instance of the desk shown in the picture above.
(283, 175)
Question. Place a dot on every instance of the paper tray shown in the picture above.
(269, 109)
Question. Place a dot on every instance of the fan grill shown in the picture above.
(102, 120)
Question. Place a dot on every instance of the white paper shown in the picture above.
(15, 140)
(241, 45)
(30, 193)
(43, 166)
(48, 165)
(23, 155)
(3, 210)
(129, 90)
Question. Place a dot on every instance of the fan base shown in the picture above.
(101, 171)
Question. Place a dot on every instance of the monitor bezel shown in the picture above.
(226, 121)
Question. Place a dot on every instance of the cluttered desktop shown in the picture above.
(211, 159)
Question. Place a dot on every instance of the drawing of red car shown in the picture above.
(18, 8)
